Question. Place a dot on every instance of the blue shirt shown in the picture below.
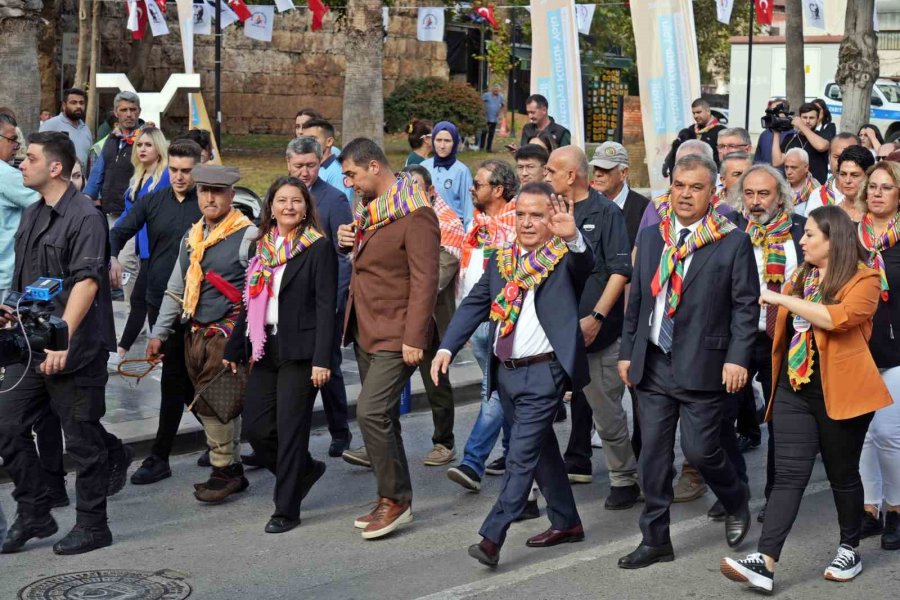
(454, 185)
(78, 133)
(142, 243)
(331, 173)
(492, 106)
(14, 199)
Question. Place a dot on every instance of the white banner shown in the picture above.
(203, 16)
(284, 5)
(156, 19)
(585, 14)
(133, 15)
(430, 25)
(186, 26)
(259, 25)
(668, 75)
(723, 11)
(814, 13)
(556, 63)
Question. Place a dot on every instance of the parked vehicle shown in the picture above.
(885, 110)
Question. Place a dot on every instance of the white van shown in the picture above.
(885, 112)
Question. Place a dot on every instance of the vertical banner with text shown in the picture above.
(668, 74)
(556, 63)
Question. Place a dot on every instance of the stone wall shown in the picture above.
(264, 84)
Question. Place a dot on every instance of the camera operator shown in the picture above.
(805, 138)
(63, 236)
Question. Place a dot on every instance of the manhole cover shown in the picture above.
(109, 584)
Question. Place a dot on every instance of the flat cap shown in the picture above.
(215, 176)
(609, 155)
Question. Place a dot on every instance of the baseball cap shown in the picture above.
(609, 155)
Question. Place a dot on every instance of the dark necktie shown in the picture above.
(504, 347)
(667, 327)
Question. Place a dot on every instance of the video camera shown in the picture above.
(778, 119)
(37, 329)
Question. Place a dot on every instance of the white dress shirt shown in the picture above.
(815, 201)
(659, 307)
(622, 197)
(272, 304)
(471, 274)
(790, 265)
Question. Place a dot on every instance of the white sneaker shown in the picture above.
(596, 442)
(846, 565)
(750, 570)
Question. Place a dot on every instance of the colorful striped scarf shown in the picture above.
(662, 203)
(800, 350)
(404, 197)
(827, 192)
(489, 233)
(771, 237)
(876, 244)
(713, 227)
(806, 190)
(451, 226)
(522, 273)
(714, 122)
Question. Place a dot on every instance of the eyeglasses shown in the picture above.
(11, 140)
(731, 146)
(477, 185)
(884, 189)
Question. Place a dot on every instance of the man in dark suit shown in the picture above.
(687, 341)
(767, 216)
(304, 159)
(390, 315)
(706, 128)
(610, 178)
(538, 353)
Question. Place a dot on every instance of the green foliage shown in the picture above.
(712, 36)
(435, 99)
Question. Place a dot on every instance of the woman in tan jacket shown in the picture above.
(827, 390)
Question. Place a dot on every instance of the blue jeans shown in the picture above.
(490, 418)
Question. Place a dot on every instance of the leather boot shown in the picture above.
(24, 528)
(223, 482)
(890, 539)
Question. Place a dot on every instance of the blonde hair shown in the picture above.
(893, 170)
(140, 172)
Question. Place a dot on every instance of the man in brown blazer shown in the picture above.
(395, 242)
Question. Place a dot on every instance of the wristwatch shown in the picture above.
(597, 316)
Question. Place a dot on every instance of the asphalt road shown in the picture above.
(223, 553)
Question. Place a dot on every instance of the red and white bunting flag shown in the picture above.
(240, 9)
(157, 19)
(137, 18)
(764, 10)
(487, 13)
(318, 11)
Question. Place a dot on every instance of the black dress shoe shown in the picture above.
(26, 527)
(644, 556)
(497, 467)
(746, 444)
(203, 460)
(871, 525)
(251, 461)
(338, 445)
(310, 479)
(486, 552)
(737, 526)
(622, 497)
(531, 511)
(717, 512)
(83, 539)
(153, 469)
(281, 524)
(554, 537)
(118, 470)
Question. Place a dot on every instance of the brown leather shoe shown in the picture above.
(486, 552)
(387, 517)
(552, 537)
(222, 483)
(363, 521)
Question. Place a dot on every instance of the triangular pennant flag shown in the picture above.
(487, 13)
(318, 11)
(723, 11)
(240, 9)
(584, 14)
(814, 11)
(162, 5)
(203, 16)
(284, 5)
(157, 19)
(259, 25)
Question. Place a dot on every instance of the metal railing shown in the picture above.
(888, 40)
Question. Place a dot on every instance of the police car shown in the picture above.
(885, 110)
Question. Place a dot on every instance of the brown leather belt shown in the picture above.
(515, 363)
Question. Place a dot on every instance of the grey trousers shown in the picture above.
(604, 395)
(383, 376)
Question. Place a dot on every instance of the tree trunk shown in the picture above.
(93, 99)
(140, 55)
(19, 21)
(793, 40)
(49, 40)
(858, 64)
(363, 114)
(81, 62)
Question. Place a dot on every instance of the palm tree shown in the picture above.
(19, 21)
(363, 114)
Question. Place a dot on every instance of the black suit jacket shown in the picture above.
(717, 317)
(798, 224)
(306, 309)
(635, 204)
(556, 304)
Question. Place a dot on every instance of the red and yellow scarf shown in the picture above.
(771, 237)
(489, 233)
(522, 273)
(451, 226)
(714, 122)
(713, 227)
(876, 244)
(404, 197)
(827, 192)
(806, 190)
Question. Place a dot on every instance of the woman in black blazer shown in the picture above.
(286, 332)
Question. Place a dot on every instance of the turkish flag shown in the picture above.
(764, 10)
(240, 9)
(487, 13)
(318, 12)
(162, 5)
(137, 18)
